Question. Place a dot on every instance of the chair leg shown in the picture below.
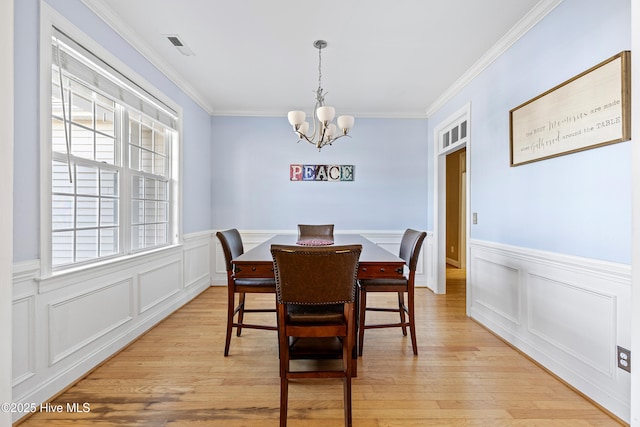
(412, 322)
(230, 309)
(348, 364)
(361, 324)
(284, 397)
(348, 416)
(284, 381)
(241, 315)
(401, 309)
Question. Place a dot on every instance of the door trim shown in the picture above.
(439, 197)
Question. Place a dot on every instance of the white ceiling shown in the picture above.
(385, 58)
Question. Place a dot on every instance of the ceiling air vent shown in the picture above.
(175, 41)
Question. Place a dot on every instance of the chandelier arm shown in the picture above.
(303, 137)
(321, 141)
(315, 120)
(340, 136)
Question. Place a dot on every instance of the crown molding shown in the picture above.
(535, 15)
(542, 9)
(104, 12)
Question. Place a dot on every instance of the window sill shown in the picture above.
(72, 276)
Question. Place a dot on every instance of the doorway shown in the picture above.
(456, 200)
(456, 241)
(451, 138)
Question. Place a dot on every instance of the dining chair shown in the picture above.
(315, 231)
(232, 247)
(315, 299)
(410, 246)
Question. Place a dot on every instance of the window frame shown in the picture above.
(49, 19)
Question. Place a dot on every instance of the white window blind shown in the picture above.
(86, 66)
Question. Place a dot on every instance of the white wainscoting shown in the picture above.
(65, 326)
(76, 321)
(567, 313)
(390, 240)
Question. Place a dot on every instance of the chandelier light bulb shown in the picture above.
(296, 118)
(345, 123)
(304, 128)
(331, 131)
(326, 113)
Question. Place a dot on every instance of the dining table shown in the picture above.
(375, 262)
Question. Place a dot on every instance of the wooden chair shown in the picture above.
(409, 251)
(315, 293)
(232, 247)
(313, 231)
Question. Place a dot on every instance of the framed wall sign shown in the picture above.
(321, 173)
(590, 110)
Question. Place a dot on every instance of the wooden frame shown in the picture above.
(589, 110)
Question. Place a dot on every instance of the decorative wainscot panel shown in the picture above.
(66, 325)
(567, 313)
(321, 172)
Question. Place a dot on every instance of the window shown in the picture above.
(453, 135)
(111, 152)
(149, 184)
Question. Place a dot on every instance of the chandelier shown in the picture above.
(324, 131)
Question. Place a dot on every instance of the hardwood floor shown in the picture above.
(176, 375)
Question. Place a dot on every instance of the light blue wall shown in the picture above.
(196, 136)
(26, 147)
(236, 168)
(578, 204)
(252, 190)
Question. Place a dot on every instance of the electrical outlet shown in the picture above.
(475, 217)
(624, 359)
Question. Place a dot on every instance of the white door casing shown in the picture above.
(450, 135)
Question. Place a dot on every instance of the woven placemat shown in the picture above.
(315, 242)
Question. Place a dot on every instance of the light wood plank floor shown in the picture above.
(176, 375)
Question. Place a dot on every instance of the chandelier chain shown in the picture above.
(319, 68)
